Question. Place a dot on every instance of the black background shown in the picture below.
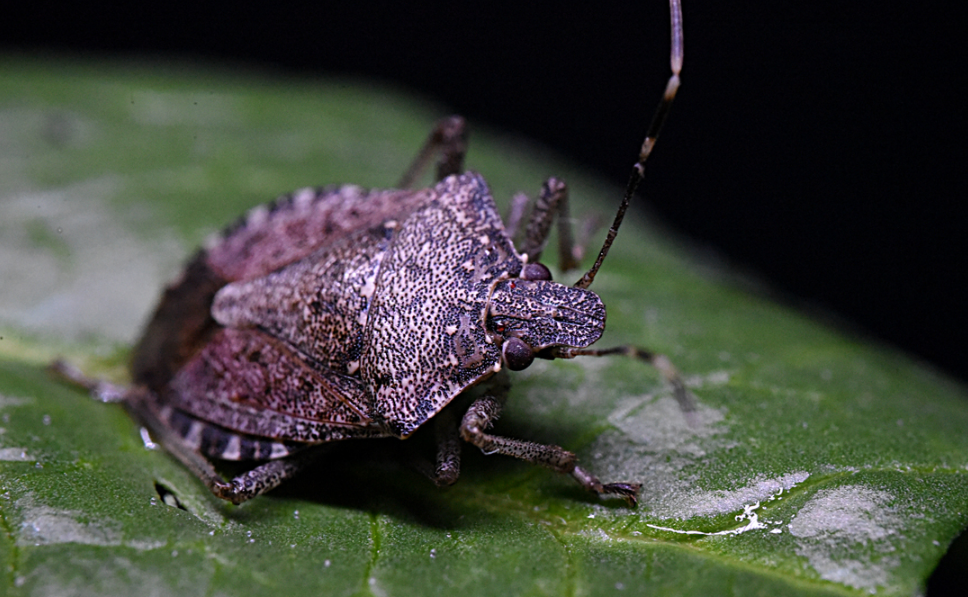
(818, 145)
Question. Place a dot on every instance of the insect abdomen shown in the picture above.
(217, 442)
(180, 327)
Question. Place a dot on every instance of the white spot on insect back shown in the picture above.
(257, 216)
(303, 198)
(352, 367)
(484, 239)
(450, 330)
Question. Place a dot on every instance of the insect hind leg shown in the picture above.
(183, 436)
(186, 438)
(100, 389)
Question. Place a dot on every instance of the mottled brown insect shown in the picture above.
(342, 312)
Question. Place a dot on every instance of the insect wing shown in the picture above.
(319, 305)
(251, 383)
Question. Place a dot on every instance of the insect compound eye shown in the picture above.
(535, 271)
(517, 354)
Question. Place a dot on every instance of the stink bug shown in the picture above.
(340, 313)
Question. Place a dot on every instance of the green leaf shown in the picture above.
(813, 464)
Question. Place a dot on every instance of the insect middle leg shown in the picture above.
(482, 414)
(551, 202)
(449, 139)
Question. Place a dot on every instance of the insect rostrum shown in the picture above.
(342, 312)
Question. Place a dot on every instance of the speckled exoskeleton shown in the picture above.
(341, 312)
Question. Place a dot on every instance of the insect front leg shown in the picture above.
(482, 414)
(448, 448)
(449, 139)
(659, 361)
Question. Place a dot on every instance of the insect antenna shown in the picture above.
(638, 170)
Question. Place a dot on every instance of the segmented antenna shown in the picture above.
(638, 170)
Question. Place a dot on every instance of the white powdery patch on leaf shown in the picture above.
(6, 401)
(574, 382)
(661, 424)
(46, 526)
(15, 455)
(43, 525)
(710, 503)
(848, 535)
(73, 268)
(172, 108)
(653, 439)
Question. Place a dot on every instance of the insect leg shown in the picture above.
(449, 138)
(448, 448)
(262, 478)
(553, 201)
(482, 414)
(144, 407)
(659, 361)
(519, 203)
(104, 391)
(246, 486)
(445, 471)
